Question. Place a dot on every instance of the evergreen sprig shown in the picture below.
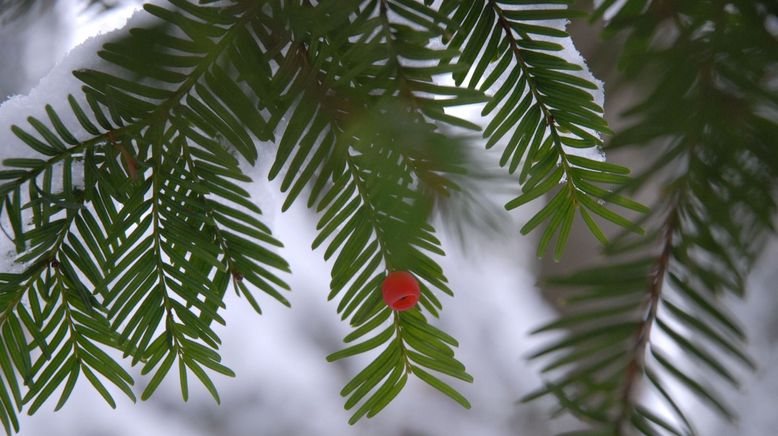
(656, 314)
(131, 224)
(161, 226)
(543, 108)
(138, 257)
(370, 115)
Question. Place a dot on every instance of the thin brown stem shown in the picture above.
(637, 360)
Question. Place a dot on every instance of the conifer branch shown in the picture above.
(636, 363)
(141, 258)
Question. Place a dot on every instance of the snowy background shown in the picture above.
(283, 385)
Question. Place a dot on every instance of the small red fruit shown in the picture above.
(400, 290)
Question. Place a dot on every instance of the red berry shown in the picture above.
(400, 290)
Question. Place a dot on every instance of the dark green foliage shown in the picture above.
(129, 233)
(143, 254)
(547, 109)
(378, 157)
(139, 258)
(709, 118)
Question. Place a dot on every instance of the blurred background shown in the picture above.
(285, 387)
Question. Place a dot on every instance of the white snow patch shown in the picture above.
(52, 89)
